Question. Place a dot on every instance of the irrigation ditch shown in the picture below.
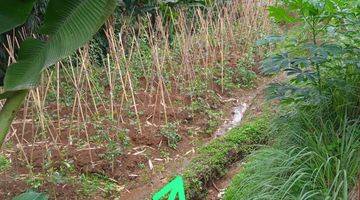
(208, 168)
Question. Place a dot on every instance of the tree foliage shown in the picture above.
(320, 53)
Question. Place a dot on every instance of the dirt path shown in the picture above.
(217, 188)
(252, 98)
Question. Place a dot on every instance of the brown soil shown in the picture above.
(35, 153)
(146, 148)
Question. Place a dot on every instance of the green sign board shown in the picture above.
(174, 188)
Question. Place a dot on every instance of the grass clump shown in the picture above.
(215, 157)
(314, 160)
(93, 183)
(4, 163)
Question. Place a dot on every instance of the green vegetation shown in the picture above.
(309, 161)
(168, 67)
(214, 158)
(170, 132)
(90, 184)
(4, 163)
(167, 70)
(316, 154)
(239, 76)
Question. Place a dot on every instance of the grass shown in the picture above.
(312, 161)
(93, 183)
(214, 158)
(4, 163)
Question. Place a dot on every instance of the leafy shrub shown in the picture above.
(245, 76)
(170, 132)
(320, 55)
(214, 120)
(239, 76)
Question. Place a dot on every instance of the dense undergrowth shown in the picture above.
(316, 150)
(214, 158)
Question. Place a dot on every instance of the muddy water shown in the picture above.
(237, 115)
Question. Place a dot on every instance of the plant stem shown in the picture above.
(8, 112)
(314, 35)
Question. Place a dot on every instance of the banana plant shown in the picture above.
(67, 25)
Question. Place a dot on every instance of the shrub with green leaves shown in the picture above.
(319, 53)
(170, 132)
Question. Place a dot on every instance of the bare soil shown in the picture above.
(146, 148)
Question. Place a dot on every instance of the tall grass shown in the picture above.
(313, 160)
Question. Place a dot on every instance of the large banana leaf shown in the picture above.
(7, 94)
(71, 23)
(14, 13)
(68, 24)
(26, 72)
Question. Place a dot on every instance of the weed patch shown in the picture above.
(4, 163)
(214, 157)
(170, 132)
